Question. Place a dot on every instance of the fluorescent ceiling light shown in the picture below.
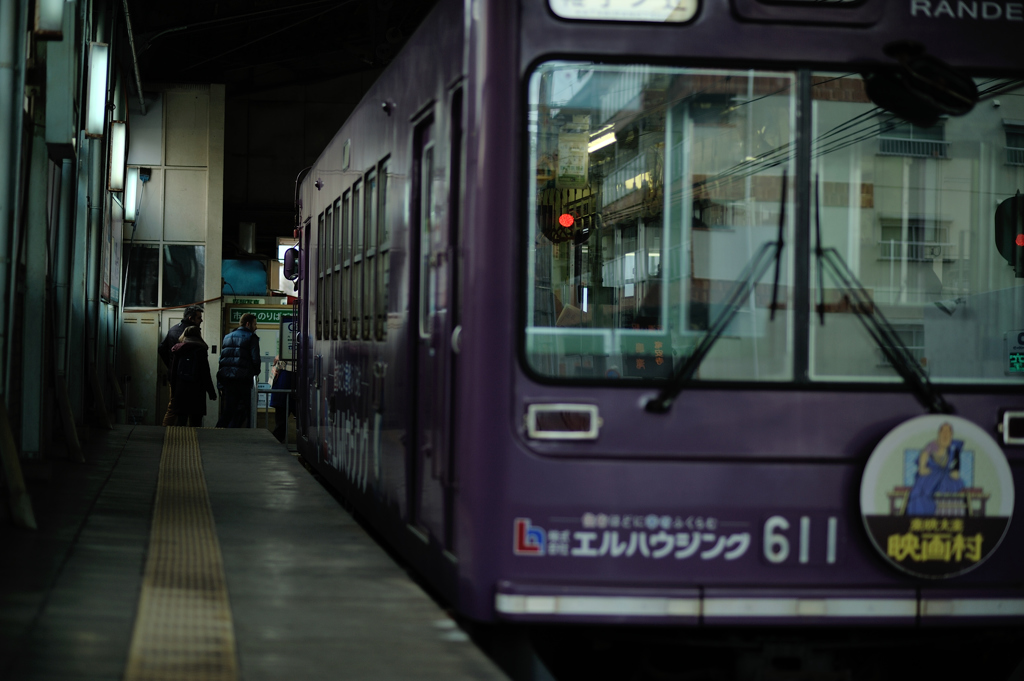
(130, 194)
(49, 19)
(96, 97)
(118, 155)
(601, 142)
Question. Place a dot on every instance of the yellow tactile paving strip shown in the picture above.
(183, 629)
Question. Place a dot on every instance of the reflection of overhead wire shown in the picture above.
(867, 125)
(268, 35)
(998, 89)
(783, 154)
(860, 128)
(627, 70)
(237, 19)
(874, 129)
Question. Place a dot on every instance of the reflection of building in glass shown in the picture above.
(684, 184)
(922, 245)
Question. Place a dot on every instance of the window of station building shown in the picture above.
(183, 274)
(163, 275)
(900, 138)
(1014, 142)
(142, 285)
(356, 279)
(370, 227)
(344, 281)
(336, 270)
(383, 253)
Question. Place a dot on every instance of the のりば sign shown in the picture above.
(937, 496)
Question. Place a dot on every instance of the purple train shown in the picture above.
(701, 313)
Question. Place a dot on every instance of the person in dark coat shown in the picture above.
(193, 317)
(281, 379)
(240, 363)
(190, 378)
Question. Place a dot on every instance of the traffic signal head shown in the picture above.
(1009, 225)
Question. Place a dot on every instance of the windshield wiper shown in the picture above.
(769, 253)
(877, 326)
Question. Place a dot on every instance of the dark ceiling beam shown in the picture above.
(271, 34)
(155, 32)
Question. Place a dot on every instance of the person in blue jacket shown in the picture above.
(240, 363)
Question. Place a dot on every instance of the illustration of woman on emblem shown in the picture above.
(938, 471)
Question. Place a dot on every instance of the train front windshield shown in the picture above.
(656, 190)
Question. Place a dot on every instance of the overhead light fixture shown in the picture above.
(117, 156)
(96, 97)
(49, 24)
(131, 191)
(601, 142)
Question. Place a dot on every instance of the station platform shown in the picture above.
(181, 553)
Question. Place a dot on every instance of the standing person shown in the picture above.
(239, 364)
(190, 378)
(281, 379)
(193, 317)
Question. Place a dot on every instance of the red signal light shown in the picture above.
(1008, 233)
(566, 220)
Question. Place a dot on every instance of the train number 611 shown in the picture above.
(776, 545)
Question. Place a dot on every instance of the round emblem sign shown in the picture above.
(937, 496)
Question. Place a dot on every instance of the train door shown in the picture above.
(309, 363)
(431, 332)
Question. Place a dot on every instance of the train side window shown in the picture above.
(328, 300)
(370, 246)
(356, 279)
(344, 283)
(320, 257)
(426, 241)
(335, 267)
(423, 169)
(383, 259)
(455, 203)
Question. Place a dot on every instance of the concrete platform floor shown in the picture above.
(312, 595)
